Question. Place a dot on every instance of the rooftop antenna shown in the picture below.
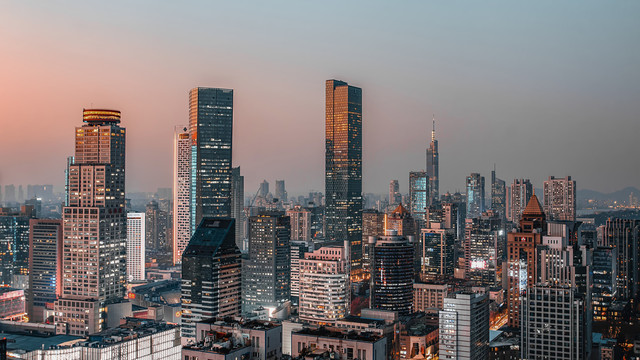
(433, 131)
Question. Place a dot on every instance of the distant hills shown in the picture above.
(619, 196)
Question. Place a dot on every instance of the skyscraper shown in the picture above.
(266, 274)
(464, 327)
(521, 257)
(436, 252)
(475, 195)
(157, 221)
(211, 275)
(521, 191)
(263, 191)
(560, 198)
(45, 266)
(484, 246)
(181, 191)
(237, 205)
(211, 130)
(300, 223)
(433, 166)
(281, 193)
(14, 244)
(95, 226)
(498, 196)
(392, 277)
(418, 195)
(326, 269)
(373, 223)
(395, 197)
(624, 235)
(136, 234)
(343, 168)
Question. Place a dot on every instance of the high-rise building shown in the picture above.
(263, 191)
(484, 247)
(14, 244)
(281, 193)
(520, 192)
(433, 167)
(20, 194)
(560, 198)
(419, 195)
(373, 223)
(464, 327)
(343, 169)
(300, 223)
(136, 234)
(211, 275)
(392, 277)
(436, 253)
(401, 221)
(395, 197)
(521, 257)
(475, 195)
(237, 205)
(181, 191)
(45, 266)
(298, 249)
(327, 269)
(10, 194)
(157, 223)
(70, 160)
(266, 274)
(498, 196)
(554, 324)
(624, 235)
(604, 281)
(95, 226)
(211, 130)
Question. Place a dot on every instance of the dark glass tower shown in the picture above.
(433, 164)
(343, 168)
(419, 195)
(211, 129)
(498, 195)
(475, 195)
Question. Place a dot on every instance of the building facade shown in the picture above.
(136, 234)
(520, 192)
(433, 167)
(560, 198)
(498, 195)
(211, 131)
(475, 195)
(343, 169)
(464, 327)
(181, 191)
(419, 195)
(237, 205)
(45, 266)
(95, 235)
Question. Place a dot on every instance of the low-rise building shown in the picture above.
(352, 345)
(219, 346)
(265, 336)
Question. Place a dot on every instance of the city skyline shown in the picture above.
(560, 94)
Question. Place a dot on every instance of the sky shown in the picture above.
(536, 88)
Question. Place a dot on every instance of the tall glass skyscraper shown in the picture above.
(433, 165)
(343, 168)
(211, 130)
(475, 195)
(419, 195)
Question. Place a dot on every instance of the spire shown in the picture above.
(433, 131)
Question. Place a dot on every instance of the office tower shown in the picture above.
(498, 195)
(604, 281)
(156, 226)
(464, 327)
(484, 247)
(20, 194)
(624, 235)
(436, 253)
(327, 269)
(14, 244)
(395, 197)
(211, 274)
(300, 223)
(95, 226)
(343, 169)
(43, 192)
(433, 164)
(211, 130)
(263, 190)
(475, 195)
(560, 198)
(45, 266)
(136, 234)
(10, 194)
(237, 205)
(298, 249)
(266, 274)
(392, 273)
(520, 193)
(373, 223)
(419, 196)
(429, 297)
(281, 193)
(521, 257)
(181, 191)
(554, 324)
(401, 221)
(70, 160)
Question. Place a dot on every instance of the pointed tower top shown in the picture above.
(533, 207)
(433, 131)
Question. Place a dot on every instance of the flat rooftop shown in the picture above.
(251, 324)
(30, 343)
(351, 335)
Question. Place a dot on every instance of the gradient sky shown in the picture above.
(539, 88)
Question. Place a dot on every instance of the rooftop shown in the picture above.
(250, 324)
(30, 343)
(133, 328)
(351, 335)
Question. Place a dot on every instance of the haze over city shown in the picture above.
(539, 89)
